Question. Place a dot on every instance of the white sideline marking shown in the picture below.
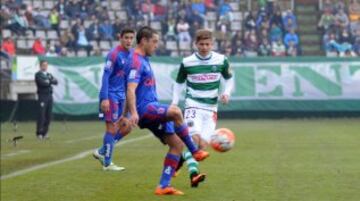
(82, 139)
(15, 153)
(76, 157)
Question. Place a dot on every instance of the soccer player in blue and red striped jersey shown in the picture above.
(112, 99)
(161, 119)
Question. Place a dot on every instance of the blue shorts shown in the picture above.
(115, 112)
(153, 117)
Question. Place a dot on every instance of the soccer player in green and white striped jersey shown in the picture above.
(201, 73)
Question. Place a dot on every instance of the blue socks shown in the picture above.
(170, 163)
(183, 132)
(107, 148)
(118, 136)
(108, 145)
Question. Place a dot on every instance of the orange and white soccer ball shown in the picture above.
(223, 140)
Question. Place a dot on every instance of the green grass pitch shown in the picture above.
(273, 160)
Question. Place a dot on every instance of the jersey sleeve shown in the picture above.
(181, 76)
(108, 69)
(135, 68)
(226, 71)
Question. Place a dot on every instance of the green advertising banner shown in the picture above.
(262, 84)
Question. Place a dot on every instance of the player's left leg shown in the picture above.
(112, 134)
(170, 163)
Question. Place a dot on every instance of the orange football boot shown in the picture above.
(200, 155)
(167, 191)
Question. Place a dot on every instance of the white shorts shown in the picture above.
(202, 122)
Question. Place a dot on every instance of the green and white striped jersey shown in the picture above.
(202, 77)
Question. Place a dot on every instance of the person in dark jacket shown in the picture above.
(44, 82)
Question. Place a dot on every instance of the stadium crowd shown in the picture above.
(90, 27)
(340, 25)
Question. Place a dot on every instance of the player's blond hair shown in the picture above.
(203, 34)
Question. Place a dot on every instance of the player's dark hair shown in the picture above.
(144, 32)
(42, 62)
(126, 30)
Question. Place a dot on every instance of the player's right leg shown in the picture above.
(181, 129)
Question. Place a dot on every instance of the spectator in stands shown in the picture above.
(72, 9)
(278, 48)
(117, 27)
(199, 6)
(76, 26)
(93, 31)
(339, 5)
(327, 21)
(82, 42)
(30, 19)
(19, 24)
(5, 16)
(328, 6)
(341, 20)
(51, 52)
(106, 31)
(289, 20)
(250, 44)
(225, 9)
(290, 25)
(196, 26)
(263, 34)
(38, 48)
(264, 48)
(183, 31)
(291, 37)
(275, 33)
(67, 39)
(292, 49)
(260, 18)
(355, 26)
(250, 21)
(354, 11)
(331, 45)
(209, 5)
(197, 17)
(171, 32)
(238, 48)
(8, 46)
(356, 46)
(345, 37)
(277, 19)
(40, 20)
(103, 14)
(60, 7)
(54, 19)
(159, 11)
(224, 29)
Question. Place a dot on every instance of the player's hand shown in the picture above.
(105, 105)
(134, 119)
(224, 98)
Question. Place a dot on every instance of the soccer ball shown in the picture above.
(223, 140)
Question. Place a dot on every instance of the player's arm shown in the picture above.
(133, 78)
(104, 91)
(131, 102)
(229, 82)
(179, 85)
